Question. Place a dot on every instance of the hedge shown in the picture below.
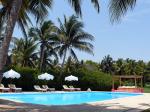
(95, 80)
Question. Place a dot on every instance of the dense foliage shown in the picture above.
(91, 74)
(95, 80)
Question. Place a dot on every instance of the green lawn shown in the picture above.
(147, 89)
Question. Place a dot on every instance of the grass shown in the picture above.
(147, 89)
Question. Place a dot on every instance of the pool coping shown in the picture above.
(128, 104)
(92, 102)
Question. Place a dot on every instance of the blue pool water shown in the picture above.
(67, 98)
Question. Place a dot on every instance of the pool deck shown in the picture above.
(129, 104)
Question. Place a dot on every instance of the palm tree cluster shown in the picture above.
(18, 11)
(23, 52)
(123, 67)
(48, 43)
(14, 12)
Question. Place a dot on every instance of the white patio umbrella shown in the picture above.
(11, 74)
(46, 76)
(71, 78)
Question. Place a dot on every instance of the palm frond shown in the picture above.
(84, 46)
(39, 8)
(76, 4)
(83, 36)
(61, 26)
(23, 27)
(119, 8)
(62, 50)
(73, 55)
(96, 4)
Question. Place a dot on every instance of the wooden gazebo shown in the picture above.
(122, 88)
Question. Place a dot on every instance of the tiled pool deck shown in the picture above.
(129, 104)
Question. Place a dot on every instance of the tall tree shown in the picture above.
(45, 36)
(120, 67)
(24, 52)
(17, 10)
(107, 64)
(72, 36)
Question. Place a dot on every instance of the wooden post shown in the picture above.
(120, 81)
(141, 82)
(113, 86)
(135, 82)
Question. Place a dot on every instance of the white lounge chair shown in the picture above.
(48, 89)
(38, 88)
(13, 88)
(65, 88)
(3, 89)
(77, 89)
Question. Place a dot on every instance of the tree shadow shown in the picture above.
(9, 106)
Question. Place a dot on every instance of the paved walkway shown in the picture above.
(130, 104)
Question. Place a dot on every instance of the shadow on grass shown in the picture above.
(8, 106)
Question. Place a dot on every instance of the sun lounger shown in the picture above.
(48, 89)
(65, 88)
(3, 89)
(77, 89)
(13, 88)
(39, 89)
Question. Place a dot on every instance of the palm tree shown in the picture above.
(107, 64)
(44, 35)
(17, 11)
(24, 52)
(120, 67)
(118, 8)
(50, 59)
(72, 36)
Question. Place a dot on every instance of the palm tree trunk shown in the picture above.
(41, 58)
(64, 59)
(62, 67)
(13, 16)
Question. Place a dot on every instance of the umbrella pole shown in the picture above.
(10, 80)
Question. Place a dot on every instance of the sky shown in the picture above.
(128, 39)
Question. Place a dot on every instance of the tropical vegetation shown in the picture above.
(50, 48)
(18, 11)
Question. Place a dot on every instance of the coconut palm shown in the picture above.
(72, 36)
(14, 11)
(119, 8)
(24, 52)
(107, 65)
(50, 59)
(120, 67)
(44, 35)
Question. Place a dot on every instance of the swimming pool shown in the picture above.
(66, 98)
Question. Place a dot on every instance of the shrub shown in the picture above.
(95, 80)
